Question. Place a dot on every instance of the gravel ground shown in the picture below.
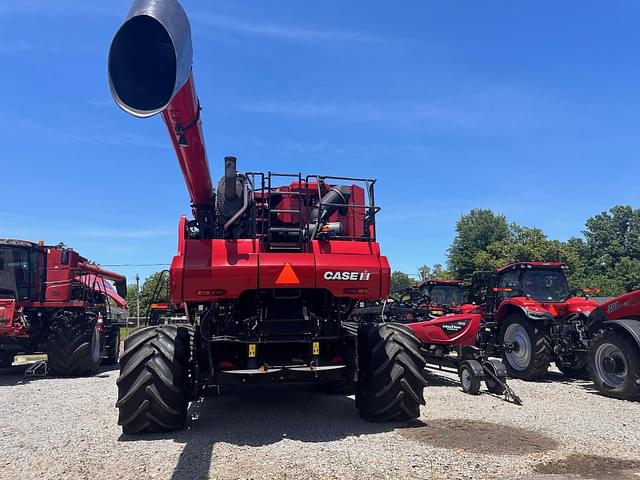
(66, 428)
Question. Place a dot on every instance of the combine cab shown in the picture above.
(269, 269)
(54, 301)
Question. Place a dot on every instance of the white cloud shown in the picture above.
(123, 232)
(89, 134)
(491, 110)
(223, 22)
(67, 8)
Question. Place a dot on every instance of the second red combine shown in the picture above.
(269, 269)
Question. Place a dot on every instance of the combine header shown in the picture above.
(54, 301)
(269, 269)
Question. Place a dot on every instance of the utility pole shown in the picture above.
(138, 300)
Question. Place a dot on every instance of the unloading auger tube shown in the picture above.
(150, 72)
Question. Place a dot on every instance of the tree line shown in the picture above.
(606, 256)
(158, 282)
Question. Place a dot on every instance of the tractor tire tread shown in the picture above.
(153, 382)
(391, 379)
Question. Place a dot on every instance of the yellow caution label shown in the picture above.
(315, 348)
(252, 350)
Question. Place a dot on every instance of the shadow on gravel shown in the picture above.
(479, 437)
(13, 376)
(263, 415)
(591, 466)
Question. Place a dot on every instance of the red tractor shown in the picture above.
(444, 297)
(54, 301)
(528, 316)
(269, 269)
(531, 318)
(613, 357)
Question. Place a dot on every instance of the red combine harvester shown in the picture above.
(54, 301)
(268, 272)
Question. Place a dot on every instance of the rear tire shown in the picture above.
(113, 346)
(614, 364)
(531, 358)
(390, 373)
(73, 346)
(154, 379)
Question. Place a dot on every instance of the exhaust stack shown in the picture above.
(230, 173)
(149, 73)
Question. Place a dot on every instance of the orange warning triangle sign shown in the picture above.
(287, 276)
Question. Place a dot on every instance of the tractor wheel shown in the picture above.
(154, 379)
(531, 348)
(614, 364)
(469, 381)
(390, 373)
(113, 346)
(73, 345)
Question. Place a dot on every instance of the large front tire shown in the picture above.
(73, 345)
(154, 380)
(614, 363)
(390, 373)
(527, 349)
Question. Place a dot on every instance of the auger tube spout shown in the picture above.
(150, 72)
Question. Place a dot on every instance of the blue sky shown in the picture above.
(529, 108)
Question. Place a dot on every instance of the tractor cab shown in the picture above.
(535, 286)
(542, 282)
(444, 296)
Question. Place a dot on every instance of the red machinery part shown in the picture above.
(449, 330)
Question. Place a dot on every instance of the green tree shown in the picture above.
(131, 298)
(437, 272)
(147, 293)
(425, 272)
(400, 280)
(475, 232)
(611, 251)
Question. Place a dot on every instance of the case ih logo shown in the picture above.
(350, 276)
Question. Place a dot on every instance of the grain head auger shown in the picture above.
(269, 269)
